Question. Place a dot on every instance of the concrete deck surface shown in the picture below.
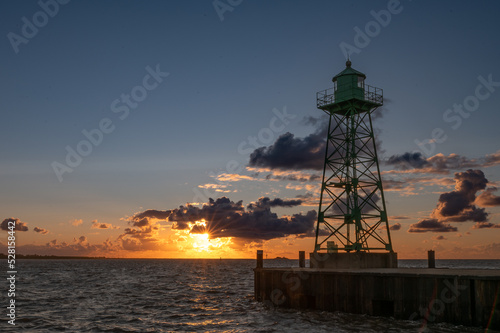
(486, 273)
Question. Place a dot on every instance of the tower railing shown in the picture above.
(370, 94)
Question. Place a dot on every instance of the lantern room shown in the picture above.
(349, 88)
(349, 84)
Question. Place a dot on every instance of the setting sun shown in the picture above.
(201, 242)
(204, 246)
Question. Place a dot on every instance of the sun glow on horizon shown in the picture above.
(196, 242)
(204, 245)
(201, 242)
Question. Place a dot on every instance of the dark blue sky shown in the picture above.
(225, 78)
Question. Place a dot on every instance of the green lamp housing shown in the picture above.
(349, 84)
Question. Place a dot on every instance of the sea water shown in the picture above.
(178, 295)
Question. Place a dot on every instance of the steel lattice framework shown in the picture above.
(352, 210)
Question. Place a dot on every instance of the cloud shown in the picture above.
(141, 238)
(145, 231)
(212, 186)
(488, 199)
(153, 213)
(285, 175)
(216, 187)
(485, 225)
(408, 161)
(265, 203)
(320, 122)
(440, 237)
(292, 153)
(295, 178)
(19, 226)
(404, 187)
(79, 247)
(437, 164)
(312, 233)
(97, 225)
(289, 152)
(492, 159)
(432, 225)
(143, 219)
(41, 230)
(76, 222)
(413, 185)
(395, 226)
(141, 233)
(223, 217)
(232, 177)
(415, 162)
(380, 112)
(81, 240)
(457, 205)
(399, 217)
(470, 214)
(443, 164)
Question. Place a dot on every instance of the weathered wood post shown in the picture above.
(431, 259)
(260, 258)
(302, 258)
(257, 275)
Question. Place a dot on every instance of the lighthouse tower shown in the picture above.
(352, 228)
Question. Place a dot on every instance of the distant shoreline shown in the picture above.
(36, 256)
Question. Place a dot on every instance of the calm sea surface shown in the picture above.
(198, 295)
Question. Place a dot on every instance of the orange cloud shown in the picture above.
(12, 222)
(97, 225)
(233, 177)
(41, 230)
(76, 222)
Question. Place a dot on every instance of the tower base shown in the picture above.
(353, 260)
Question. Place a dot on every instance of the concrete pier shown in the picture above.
(354, 260)
(468, 297)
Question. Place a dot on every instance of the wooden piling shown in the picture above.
(260, 258)
(431, 259)
(302, 258)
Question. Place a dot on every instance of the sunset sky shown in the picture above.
(182, 129)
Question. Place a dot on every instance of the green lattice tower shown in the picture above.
(352, 214)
